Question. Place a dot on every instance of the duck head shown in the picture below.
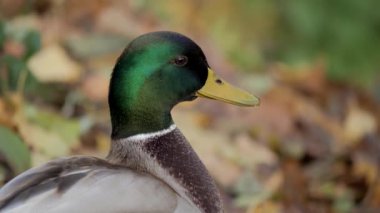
(154, 73)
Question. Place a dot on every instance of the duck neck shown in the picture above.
(132, 120)
(167, 155)
(136, 103)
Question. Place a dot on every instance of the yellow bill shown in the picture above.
(218, 89)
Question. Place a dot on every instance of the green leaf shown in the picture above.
(14, 151)
(14, 67)
(32, 42)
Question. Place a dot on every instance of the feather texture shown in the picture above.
(99, 187)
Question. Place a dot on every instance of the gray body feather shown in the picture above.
(157, 172)
(86, 184)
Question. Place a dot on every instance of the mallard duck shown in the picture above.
(150, 167)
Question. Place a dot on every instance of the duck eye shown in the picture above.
(180, 60)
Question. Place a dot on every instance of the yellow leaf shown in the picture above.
(52, 64)
(358, 123)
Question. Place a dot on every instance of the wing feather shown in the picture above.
(88, 184)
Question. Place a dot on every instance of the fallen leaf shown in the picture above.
(43, 141)
(358, 123)
(251, 154)
(67, 129)
(52, 64)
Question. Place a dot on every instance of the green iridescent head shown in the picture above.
(155, 72)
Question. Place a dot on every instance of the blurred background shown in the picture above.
(312, 146)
